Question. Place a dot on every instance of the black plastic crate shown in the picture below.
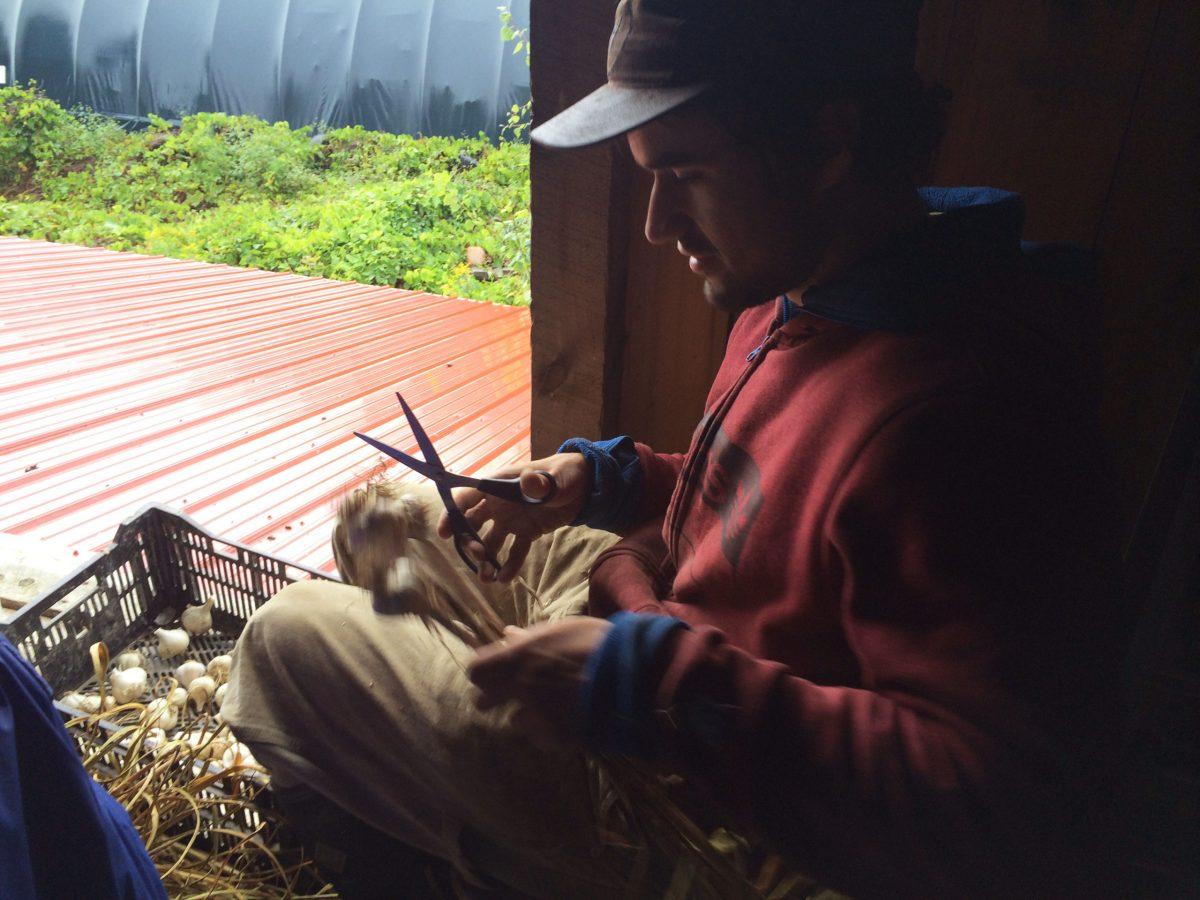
(159, 562)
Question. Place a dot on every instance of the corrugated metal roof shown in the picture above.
(231, 394)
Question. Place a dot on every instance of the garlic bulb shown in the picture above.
(177, 698)
(197, 619)
(154, 737)
(205, 745)
(129, 684)
(159, 712)
(79, 702)
(218, 666)
(130, 659)
(201, 690)
(219, 696)
(189, 671)
(238, 754)
(171, 641)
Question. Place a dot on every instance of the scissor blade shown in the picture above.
(426, 445)
(411, 461)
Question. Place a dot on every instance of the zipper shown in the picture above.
(785, 316)
(686, 487)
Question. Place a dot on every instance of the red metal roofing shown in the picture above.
(231, 394)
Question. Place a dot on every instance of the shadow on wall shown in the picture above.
(405, 66)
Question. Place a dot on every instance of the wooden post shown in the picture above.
(623, 342)
(580, 236)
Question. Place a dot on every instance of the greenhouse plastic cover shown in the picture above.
(405, 66)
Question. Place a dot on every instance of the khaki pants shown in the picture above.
(375, 712)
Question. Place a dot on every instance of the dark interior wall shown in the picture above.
(1090, 108)
(1092, 111)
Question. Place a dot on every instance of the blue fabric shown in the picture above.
(615, 708)
(61, 833)
(616, 481)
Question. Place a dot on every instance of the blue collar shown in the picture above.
(902, 284)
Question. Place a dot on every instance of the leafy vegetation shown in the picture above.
(349, 203)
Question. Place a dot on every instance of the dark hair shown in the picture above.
(901, 120)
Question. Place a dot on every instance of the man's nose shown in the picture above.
(665, 219)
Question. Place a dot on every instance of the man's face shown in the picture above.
(750, 232)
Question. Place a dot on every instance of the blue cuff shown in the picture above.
(616, 481)
(615, 698)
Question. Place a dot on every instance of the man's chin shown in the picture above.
(733, 298)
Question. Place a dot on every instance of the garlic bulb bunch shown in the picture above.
(130, 659)
(218, 667)
(201, 690)
(197, 619)
(189, 671)
(171, 641)
(161, 713)
(177, 698)
(219, 696)
(129, 684)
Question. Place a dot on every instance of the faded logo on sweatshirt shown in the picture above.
(732, 489)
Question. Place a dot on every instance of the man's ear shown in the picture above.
(835, 132)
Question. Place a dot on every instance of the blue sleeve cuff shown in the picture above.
(615, 698)
(616, 481)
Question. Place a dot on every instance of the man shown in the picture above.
(867, 615)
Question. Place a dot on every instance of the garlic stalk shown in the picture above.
(201, 690)
(130, 659)
(188, 671)
(197, 619)
(161, 713)
(171, 641)
(218, 667)
(128, 684)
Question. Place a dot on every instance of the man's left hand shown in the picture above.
(542, 669)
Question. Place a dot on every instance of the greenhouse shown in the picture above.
(432, 67)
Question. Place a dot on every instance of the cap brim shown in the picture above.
(611, 110)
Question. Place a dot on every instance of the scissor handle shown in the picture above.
(510, 489)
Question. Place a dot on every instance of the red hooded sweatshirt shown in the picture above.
(891, 549)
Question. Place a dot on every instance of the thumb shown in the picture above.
(535, 483)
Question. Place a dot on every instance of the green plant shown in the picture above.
(520, 115)
(349, 204)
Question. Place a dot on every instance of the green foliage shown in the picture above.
(520, 115)
(349, 204)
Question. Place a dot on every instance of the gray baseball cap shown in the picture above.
(663, 53)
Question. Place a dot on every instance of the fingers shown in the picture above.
(465, 499)
(516, 558)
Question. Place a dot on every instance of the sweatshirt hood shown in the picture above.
(966, 233)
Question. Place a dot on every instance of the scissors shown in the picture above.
(431, 467)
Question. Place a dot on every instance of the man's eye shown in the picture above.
(683, 177)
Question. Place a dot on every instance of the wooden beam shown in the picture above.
(673, 341)
(580, 236)
(1147, 240)
(623, 342)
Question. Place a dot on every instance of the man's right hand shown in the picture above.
(524, 522)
